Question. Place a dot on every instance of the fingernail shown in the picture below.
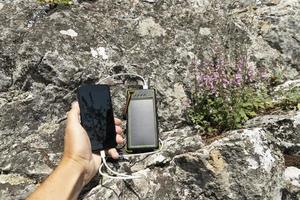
(115, 156)
(74, 103)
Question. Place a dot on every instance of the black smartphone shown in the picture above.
(96, 114)
(142, 124)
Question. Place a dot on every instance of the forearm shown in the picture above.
(65, 182)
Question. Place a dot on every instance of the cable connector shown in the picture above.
(146, 85)
(126, 74)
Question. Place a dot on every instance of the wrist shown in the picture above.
(65, 182)
(73, 163)
(80, 166)
(75, 166)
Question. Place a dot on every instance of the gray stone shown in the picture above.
(292, 180)
(288, 85)
(149, 27)
(292, 177)
(212, 172)
(46, 52)
(285, 129)
(275, 28)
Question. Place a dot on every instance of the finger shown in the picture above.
(119, 139)
(118, 122)
(73, 114)
(119, 130)
(113, 153)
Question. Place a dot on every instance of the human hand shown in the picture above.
(77, 147)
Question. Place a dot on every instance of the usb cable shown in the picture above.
(145, 83)
(119, 176)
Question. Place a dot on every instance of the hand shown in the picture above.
(77, 147)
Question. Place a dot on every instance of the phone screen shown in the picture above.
(96, 115)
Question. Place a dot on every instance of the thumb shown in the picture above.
(74, 114)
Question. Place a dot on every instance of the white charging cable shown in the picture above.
(145, 84)
(116, 177)
(119, 176)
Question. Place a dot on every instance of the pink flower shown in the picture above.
(238, 79)
(250, 75)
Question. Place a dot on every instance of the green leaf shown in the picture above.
(247, 104)
(210, 129)
(242, 113)
(298, 106)
(238, 126)
(256, 105)
(262, 105)
(237, 119)
(251, 114)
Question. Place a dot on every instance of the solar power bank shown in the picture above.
(142, 125)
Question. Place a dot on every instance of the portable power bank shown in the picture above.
(96, 114)
(142, 125)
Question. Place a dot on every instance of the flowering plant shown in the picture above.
(217, 76)
(227, 93)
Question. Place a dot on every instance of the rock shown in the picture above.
(149, 27)
(41, 69)
(158, 171)
(11, 183)
(285, 41)
(205, 31)
(210, 172)
(213, 172)
(69, 32)
(14, 179)
(288, 85)
(99, 52)
(271, 2)
(284, 128)
(150, 1)
(6, 71)
(276, 25)
(292, 177)
(292, 180)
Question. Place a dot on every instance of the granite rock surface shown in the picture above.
(46, 52)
